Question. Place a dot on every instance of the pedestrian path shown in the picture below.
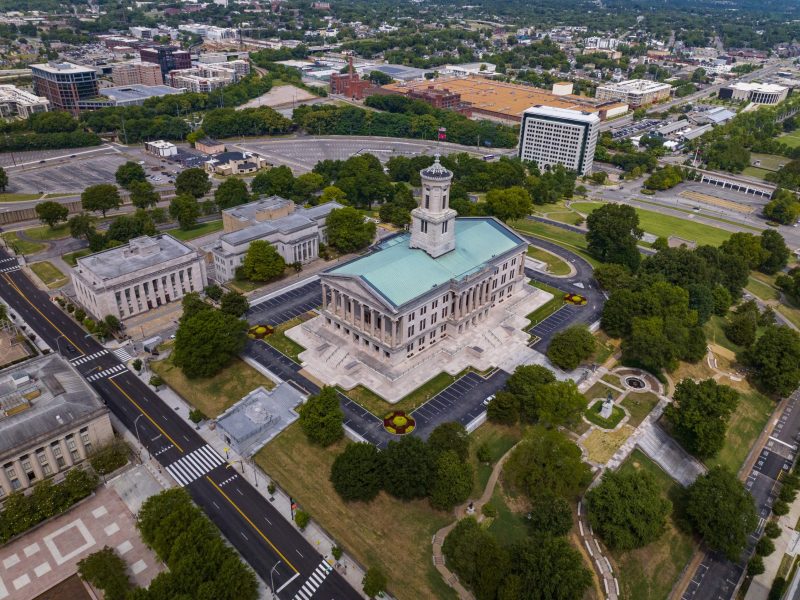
(116, 369)
(123, 354)
(314, 581)
(194, 465)
(87, 357)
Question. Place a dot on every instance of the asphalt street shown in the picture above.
(717, 577)
(266, 540)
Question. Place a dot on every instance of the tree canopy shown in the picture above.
(51, 213)
(775, 360)
(129, 172)
(570, 347)
(231, 192)
(207, 341)
(100, 198)
(194, 182)
(261, 262)
(357, 473)
(613, 233)
(321, 417)
(348, 231)
(699, 414)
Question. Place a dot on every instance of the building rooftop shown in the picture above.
(563, 113)
(510, 99)
(139, 253)
(400, 274)
(637, 85)
(134, 93)
(40, 397)
(769, 88)
(295, 221)
(62, 67)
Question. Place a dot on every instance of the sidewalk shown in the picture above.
(247, 468)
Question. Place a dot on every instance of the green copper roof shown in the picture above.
(400, 273)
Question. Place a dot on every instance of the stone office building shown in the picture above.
(50, 420)
(441, 279)
(145, 273)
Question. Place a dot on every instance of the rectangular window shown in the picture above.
(444, 227)
(422, 324)
(42, 458)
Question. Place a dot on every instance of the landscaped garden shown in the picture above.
(278, 340)
(593, 415)
(398, 422)
(195, 232)
(639, 405)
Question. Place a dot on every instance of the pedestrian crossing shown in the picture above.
(123, 354)
(9, 269)
(9, 259)
(314, 581)
(87, 357)
(107, 373)
(194, 465)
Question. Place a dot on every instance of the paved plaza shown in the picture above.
(498, 341)
(49, 554)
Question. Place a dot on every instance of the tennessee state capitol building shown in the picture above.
(440, 280)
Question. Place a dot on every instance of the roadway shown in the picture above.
(268, 542)
(716, 577)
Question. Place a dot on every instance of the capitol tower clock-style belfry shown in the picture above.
(433, 222)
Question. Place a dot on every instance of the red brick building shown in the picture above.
(438, 98)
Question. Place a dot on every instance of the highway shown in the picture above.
(272, 546)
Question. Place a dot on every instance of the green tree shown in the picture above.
(306, 185)
(452, 481)
(374, 582)
(357, 473)
(214, 292)
(613, 232)
(100, 198)
(194, 182)
(775, 360)
(474, 555)
(332, 194)
(778, 252)
(783, 207)
(143, 195)
(185, 210)
(51, 213)
(570, 347)
(81, 225)
(234, 303)
(410, 468)
(231, 192)
(451, 436)
(104, 569)
(549, 567)
(277, 181)
(550, 514)
(627, 509)
(721, 510)
(207, 341)
(348, 231)
(3, 179)
(321, 417)
(262, 262)
(547, 460)
(380, 78)
(504, 409)
(509, 204)
(129, 172)
(747, 246)
(743, 323)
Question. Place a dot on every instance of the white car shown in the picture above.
(488, 400)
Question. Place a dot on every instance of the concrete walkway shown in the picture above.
(461, 512)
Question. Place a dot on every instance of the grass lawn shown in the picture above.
(243, 287)
(568, 217)
(715, 333)
(612, 379)
(45, 233)
(649, 573)
(72, 258)
(549, 307)
(279, 341)
(555, 265)
(604, 348)
(10, 197)
(769, 162)
(790, 139)
(601, 445)
(214, 394)
(792, 314)
(568, 239)
(639, 405)
(756, 172)
(600, 390)
(22, 246)
(50, 275)
(746, 423)
(762, 290)
(197, 231)
(593, 414)
(498, 439)
(386, 532)
(508, 526)
(665, 225)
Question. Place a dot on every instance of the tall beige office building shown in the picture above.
(137, 73)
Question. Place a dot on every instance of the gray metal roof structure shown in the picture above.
(139, 253)
(39, 398)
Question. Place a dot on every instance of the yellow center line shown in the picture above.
(21, 293)
(149, 418)
(253, 525)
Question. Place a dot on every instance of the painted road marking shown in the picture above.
(194, 465)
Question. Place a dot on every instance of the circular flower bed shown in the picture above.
(575, 299)
(259, 332)
(398, 423)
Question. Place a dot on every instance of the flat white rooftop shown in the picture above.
(562, 113)
(62, 67)
(769, 88)
(636, 86)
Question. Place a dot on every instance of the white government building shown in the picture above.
(414, 289)
(143, 274)
(551, 136)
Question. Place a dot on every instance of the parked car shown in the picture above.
(488, 400)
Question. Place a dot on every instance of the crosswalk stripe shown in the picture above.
(301, 595)
(177, 475)
(317, 579)
(314, 581)
(215, 458)
(194, 465)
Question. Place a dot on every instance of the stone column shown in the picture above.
(5, 483)
(65, 452)
(51, 459)
(35, 466)
(21, 475)
(374, 323)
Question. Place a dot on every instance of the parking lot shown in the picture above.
(286, 306)
(65, 172)
(636, 128)
(555, 322)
